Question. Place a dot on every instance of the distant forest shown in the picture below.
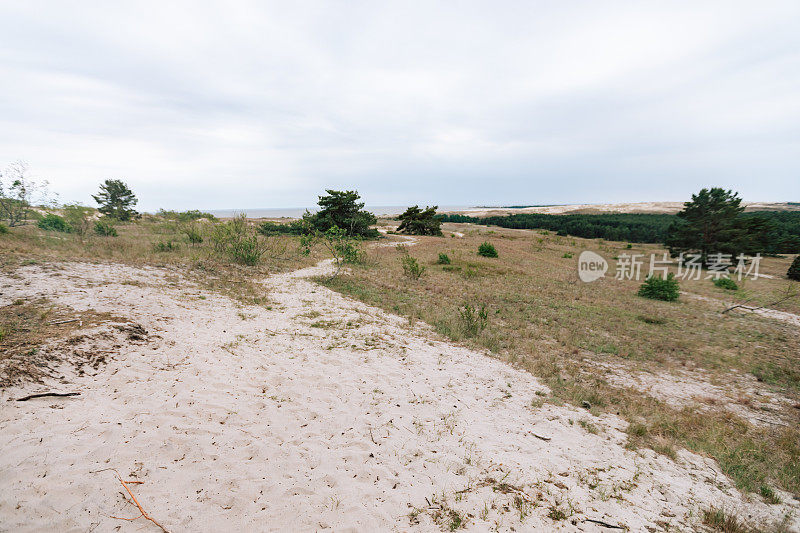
(783, 237)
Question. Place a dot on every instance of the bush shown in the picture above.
(193, 233)
(105, 228)
(794, 270)
(168, 246)
(726, 283)
(3, 229)
(411, 266)
(443, 260)
(473, 320)
(186, 216)
(51, 222)
(239, 241)
(295, 227)
(487, 250)
(78, 218)
(657, 288)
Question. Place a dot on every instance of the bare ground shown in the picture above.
(312, 413)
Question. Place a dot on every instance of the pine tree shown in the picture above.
(116, 200)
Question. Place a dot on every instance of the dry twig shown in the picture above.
(142, 511)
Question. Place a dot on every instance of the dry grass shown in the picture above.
(543, 319)
(25, 326)
(144, 242)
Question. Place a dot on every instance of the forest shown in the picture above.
(783, 235)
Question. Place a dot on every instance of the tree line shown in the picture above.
(713, 221)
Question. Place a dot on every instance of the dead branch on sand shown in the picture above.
(142, 511)
(46, 394)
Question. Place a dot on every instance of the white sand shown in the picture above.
(248, 419)
(635, 207)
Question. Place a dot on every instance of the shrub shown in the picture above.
(3, 229)
(443, 260)
(487, 250)
(193, 233)
(51, 222)
(411, 266)
(473, 319)
(105, 228)
(726, 283)
(168, 246)
(794, 270)
(658, 288)
(186, 216)
(239, 241)
(295, 227)
(567, 255)
(78, 218)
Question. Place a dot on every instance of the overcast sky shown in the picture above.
(251, 104)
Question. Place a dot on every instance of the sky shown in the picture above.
(235, 104)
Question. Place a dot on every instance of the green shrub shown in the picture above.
(350, 251)
(411, 266)
(51, 222)
(726, 283)
(295, 227)
(239, 241)
(193, 233)
(486, 249)
(186, 216)
(105, 228)
(3, 229)
(794, 270)
(168, 246)
(657, 288)
(78, 218)
(443, 260)
(567, 255)
(473, 319)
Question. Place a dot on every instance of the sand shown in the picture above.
(319, 413)
(669, 208)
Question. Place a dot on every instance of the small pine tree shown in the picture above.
(416, 221)
(487, 249)
(116, 200)
(794, 270)
(658, 288)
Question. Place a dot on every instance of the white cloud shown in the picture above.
(250, 104)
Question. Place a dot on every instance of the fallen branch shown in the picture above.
(63, 321)
(540, 436)
(44, 394)
(604, 524)
(142, 511)
(743, 306)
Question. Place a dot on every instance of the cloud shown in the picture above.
(246, 104)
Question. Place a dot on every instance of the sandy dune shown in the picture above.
(668, 208)
(320, 413)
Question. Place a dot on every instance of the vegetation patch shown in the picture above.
(658, 288)
(487, 249)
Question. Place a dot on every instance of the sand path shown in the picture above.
(319, 413)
